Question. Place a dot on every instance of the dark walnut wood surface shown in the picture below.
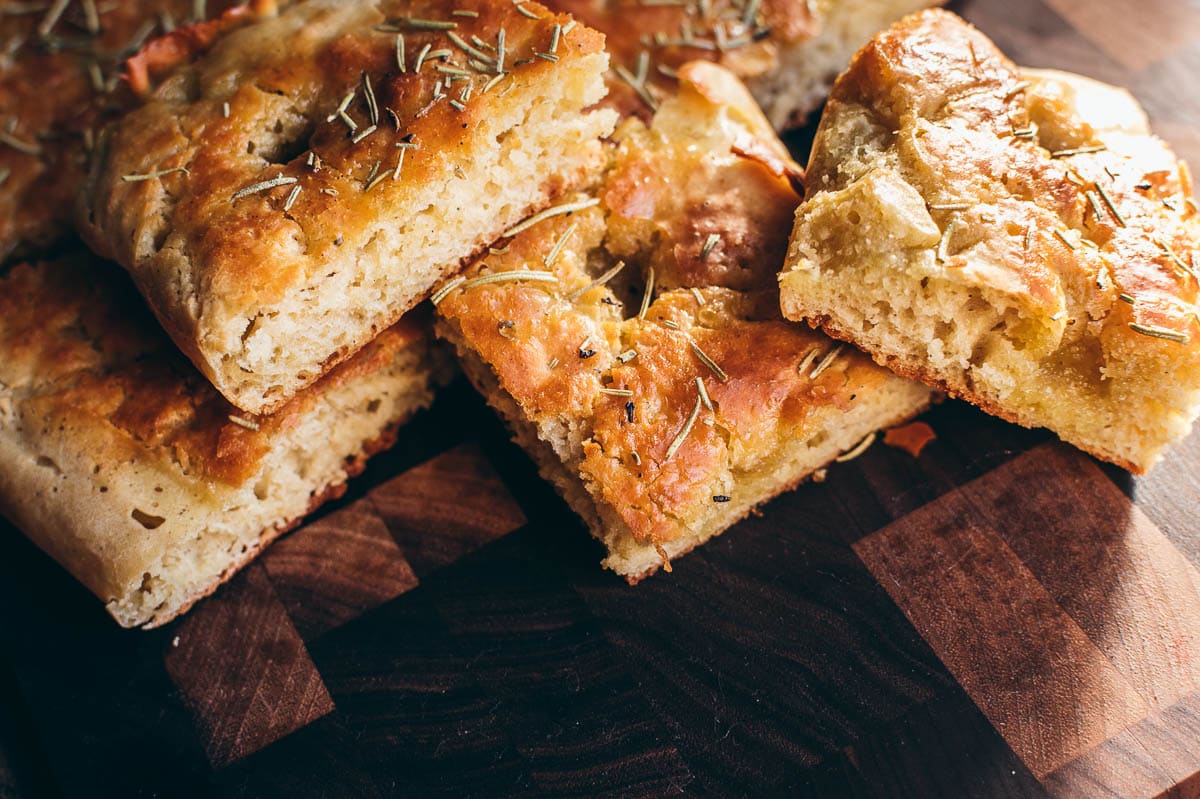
(1000, 617)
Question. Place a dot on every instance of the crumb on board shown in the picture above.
(912, 438)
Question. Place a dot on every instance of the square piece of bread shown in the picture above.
(60, 69)
(631, 337)
(292, 191)
(787, 51)
(120, 460)
(1018, 239)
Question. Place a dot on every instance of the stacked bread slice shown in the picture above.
(633, 339)
(282, 186)
(1016, 238)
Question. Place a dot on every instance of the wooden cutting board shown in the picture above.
(1001, 616)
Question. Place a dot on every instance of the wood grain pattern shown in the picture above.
(446, 507)
(445, 629)
(1046, 687)
(266, 686)
(1064, 613)
(334, 569)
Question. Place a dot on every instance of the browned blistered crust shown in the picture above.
(127, 466)
(702, 200)
(787, 51)
(260, 175)
(59, 82)
(941, 167)
(671, 34)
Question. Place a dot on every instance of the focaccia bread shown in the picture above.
(120, 460)
(60, 67)
(666, 398)
(787, 51)
(290, 193)
(1020, 240)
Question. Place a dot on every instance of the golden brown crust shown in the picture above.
(242, 195)
(125, 465)
(1041, 196)
(57, 88)
(787, 51)
(613, 391)
(672, 34)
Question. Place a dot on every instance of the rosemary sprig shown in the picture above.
(683, 432)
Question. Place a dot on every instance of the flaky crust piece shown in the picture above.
(122, 462)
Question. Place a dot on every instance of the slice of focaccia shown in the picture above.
(292, 191)
(60, 67)
(787, 51)
(631, 336)
(120, 460)
(1018, 239)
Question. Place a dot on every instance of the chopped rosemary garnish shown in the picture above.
(500, 52)
(826, 362)
(709, 243)
(347, 98)
(246, 423)
(1170, 253)
(858, 449)
(600, 281)
(807, 360)
(1111, 206)
(1159, 332)
(952, 206)
(1015, 89)
(709, 362)
(369, 180)
(944, 245)
(468, 48)
(456, 105)
(462, 12)
(1078, 151)
(400, 45)
(671, 323)
(372, 103)
(526, 12)
(703, 393)
(52, 16)
(225, 109)
(158, 173)
(720, 498)
(364, 133)
(424, 51)
(627, 356)
(20, 145)
(1123, 297)
(617, 392)
(513, 275)
(683, 432)
(1063, 237)
(555, 34)
(255, 188)
(1094, 201)
(556, 210)
(291, 198)
(445, 290)
(416, 24)
(637, 459)
(647, 294)
(553, 364)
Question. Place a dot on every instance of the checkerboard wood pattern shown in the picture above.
(1001, 616)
